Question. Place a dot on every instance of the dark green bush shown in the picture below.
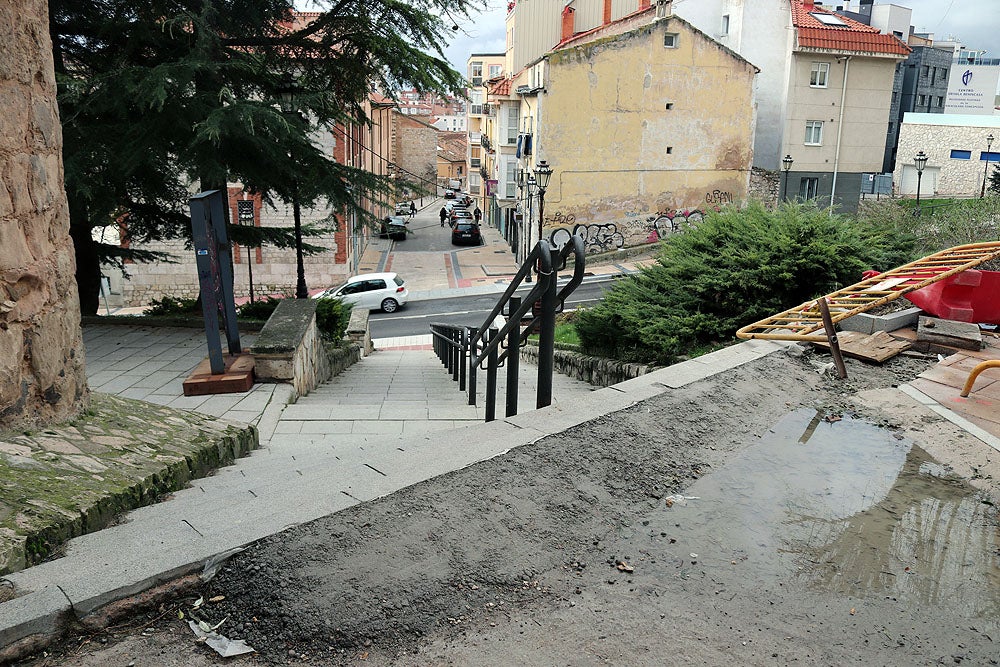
(260, 309)
(332, 318)
(733, 268)
(170, 307)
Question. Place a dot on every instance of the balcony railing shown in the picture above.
(486, 143)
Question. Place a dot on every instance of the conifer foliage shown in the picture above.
(735, 267)
(159, 98)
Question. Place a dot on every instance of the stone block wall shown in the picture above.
(290, 348)
(42, 376)
(597, 371)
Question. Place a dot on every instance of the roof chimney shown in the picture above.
(607, 12)
(643, 4)
(568, 22)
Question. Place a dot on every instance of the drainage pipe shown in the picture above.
(840, 128)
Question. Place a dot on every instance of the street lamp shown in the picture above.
(287, 94)
(543, 173)
(920, 161)
(989, 144)
(786, 164)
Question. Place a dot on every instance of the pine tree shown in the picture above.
(994, 182)
(158, 95)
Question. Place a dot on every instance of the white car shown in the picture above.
(374, 291)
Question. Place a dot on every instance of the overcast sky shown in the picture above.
(975, 22)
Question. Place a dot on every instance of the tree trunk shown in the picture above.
(88, 265)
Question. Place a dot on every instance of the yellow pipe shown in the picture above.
(980, 367)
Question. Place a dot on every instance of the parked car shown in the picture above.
(449, 194)
(466, 232)
(403, 208)
(374, 291)
(394, 227)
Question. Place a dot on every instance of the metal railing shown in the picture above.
(465, 351)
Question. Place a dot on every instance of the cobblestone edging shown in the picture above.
(598, 371)
(78, 476)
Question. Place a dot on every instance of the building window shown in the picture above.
(992, 156)
(510, 182)
(960, 155)
(925, 71)
(476, 73)
(944, 73)
(933, 74)
(819, 75)
(808, 188)
(940, 101)
(814, 133)
(670, 40)
(921, 100)
(495, 71)
(725, 24)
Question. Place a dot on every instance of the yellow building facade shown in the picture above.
(642, 129)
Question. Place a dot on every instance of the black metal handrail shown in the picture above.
(465, 350)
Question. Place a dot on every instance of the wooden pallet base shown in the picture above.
(237, 377)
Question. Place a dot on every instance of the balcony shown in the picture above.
(486, 143)
(477, 109)
(475, 137)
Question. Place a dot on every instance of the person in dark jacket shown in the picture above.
(413, 209)
(443, 215)
(477, 214)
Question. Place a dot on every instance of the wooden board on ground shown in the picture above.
(874, 348)
(237, 377)
(964, 335)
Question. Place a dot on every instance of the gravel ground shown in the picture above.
(565, 552)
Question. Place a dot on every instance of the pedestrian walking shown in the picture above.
(477, 214)
(413, 209)
(443, 215)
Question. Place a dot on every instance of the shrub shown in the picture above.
(332, 318)
(941, 226)
(734, 267)
(170, 307)
(260, 309)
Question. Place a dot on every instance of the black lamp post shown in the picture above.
(529, 185)
(786, 164)
(920, 161)
(989, 144)
(287, 94)
(543, 173)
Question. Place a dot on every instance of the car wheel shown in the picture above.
(390, 306)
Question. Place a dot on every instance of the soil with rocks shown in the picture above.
(566, 552)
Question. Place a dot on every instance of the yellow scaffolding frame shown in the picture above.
(802, 322)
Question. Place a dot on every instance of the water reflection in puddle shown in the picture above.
(848, 507)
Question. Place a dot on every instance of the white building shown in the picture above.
(956, 150)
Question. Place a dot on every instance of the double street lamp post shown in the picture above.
(920, 161)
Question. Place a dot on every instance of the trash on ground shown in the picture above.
(678, 499)
(624, 567)
(220, 644)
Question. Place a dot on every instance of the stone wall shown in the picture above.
(290, 348)
(41, 349)
(597, 371)
(764, 186)
(416, 148)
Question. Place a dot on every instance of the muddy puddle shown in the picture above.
(841, 506)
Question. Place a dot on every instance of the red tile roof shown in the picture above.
(853, 36)
(501, 87)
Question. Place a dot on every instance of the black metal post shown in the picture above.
(462, 354)
(473, 365)
(513, 360)
(491, 377)
(784, 188)
(456, 353)
(920, 174)
(986, 169)
(301, 291)
(250, 259)
(546, 344)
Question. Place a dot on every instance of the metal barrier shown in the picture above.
(466, 350)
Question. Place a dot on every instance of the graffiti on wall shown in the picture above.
(636, 228)
(718, 197)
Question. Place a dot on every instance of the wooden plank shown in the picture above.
(873, 348)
